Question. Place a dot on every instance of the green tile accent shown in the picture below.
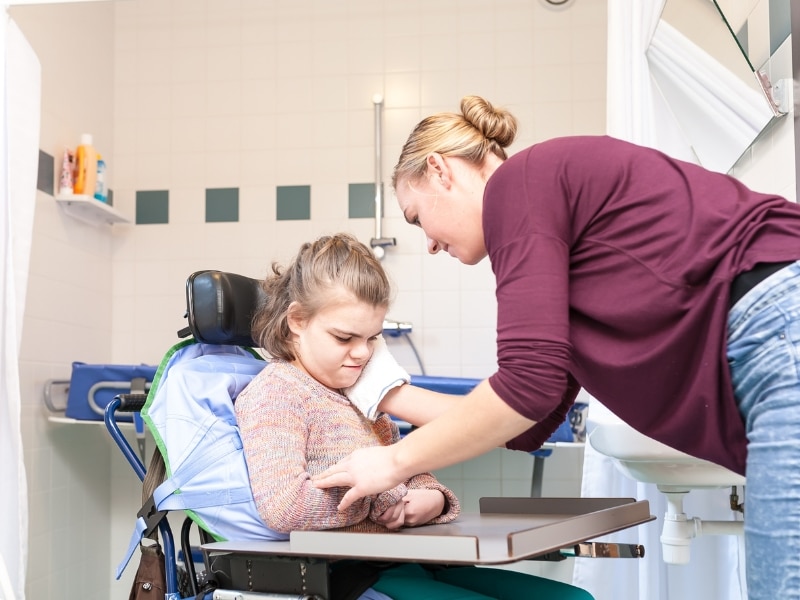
(742, 36)
(222, 205)
(45, 179)
(152, 207)
(780, 23)
(361, 201)
(293, 203)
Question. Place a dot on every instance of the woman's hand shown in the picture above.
(422, 506)
(478, 422)
(367, 471)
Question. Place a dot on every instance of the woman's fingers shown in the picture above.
(366, 471)
(329, 479)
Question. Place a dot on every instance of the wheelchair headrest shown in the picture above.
(220, 307)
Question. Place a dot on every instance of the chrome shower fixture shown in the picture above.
(396, 328)
(379, 243)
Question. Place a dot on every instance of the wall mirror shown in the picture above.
(706, 78)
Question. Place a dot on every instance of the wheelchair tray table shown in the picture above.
(506, 530)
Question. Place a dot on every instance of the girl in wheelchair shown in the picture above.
(320, 324)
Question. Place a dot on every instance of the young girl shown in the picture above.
(320, 324)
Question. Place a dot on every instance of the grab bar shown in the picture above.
(379, 243)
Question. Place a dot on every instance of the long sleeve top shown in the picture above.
(293, 427)
(613, 265)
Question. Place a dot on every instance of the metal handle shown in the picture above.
(605, 550)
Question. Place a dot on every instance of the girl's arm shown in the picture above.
(274, 434)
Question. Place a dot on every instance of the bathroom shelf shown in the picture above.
(87, 209)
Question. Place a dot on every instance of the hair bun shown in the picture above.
(496, 124)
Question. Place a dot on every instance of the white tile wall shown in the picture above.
(182, 95)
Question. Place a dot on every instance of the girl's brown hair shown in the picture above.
(332, 262)
(480, 129)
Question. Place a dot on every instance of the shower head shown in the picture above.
(557, 4)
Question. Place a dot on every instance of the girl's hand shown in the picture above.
(422, 506)
(394, 517)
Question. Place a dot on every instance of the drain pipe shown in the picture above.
(679, 529)
(379, 243)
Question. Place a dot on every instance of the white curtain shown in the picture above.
(637, 111)
(20, 107)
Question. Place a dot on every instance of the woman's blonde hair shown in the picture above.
(480, 129)
(330, 263)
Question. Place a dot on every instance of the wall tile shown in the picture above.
(224, 133)
(361, 201)
(438, 309)
(293, 203)
(328, 203)
(742, 37)
(475, 489)
(222, 205)
(45, 180)
(152, 207)
(780, 23)
(257, 167)
(187, 65)
(326, 165)
(222, 168)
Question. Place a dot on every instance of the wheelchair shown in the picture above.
(219, 310)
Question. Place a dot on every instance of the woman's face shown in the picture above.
(334, 345)
(447, 204)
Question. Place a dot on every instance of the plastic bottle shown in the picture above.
(65, 187)
(100, 189)
(85, 167)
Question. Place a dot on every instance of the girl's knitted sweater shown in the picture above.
(292, 428)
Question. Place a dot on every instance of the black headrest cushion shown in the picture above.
(220, 307)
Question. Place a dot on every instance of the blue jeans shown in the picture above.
(764, 359)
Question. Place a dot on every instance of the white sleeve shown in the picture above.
(381, 374)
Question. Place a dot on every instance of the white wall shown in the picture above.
(280, 93)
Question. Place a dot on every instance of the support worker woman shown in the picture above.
(669, 292)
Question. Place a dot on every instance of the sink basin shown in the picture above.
(644, 459)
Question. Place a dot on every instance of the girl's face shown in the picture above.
(334, 345)
(448, 205)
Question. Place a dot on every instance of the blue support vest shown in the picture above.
(189, 411)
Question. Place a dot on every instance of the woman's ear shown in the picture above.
(438, 169)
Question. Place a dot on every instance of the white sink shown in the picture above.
(647, 460)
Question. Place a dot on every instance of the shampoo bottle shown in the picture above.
(85, 167)
(100, 189)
